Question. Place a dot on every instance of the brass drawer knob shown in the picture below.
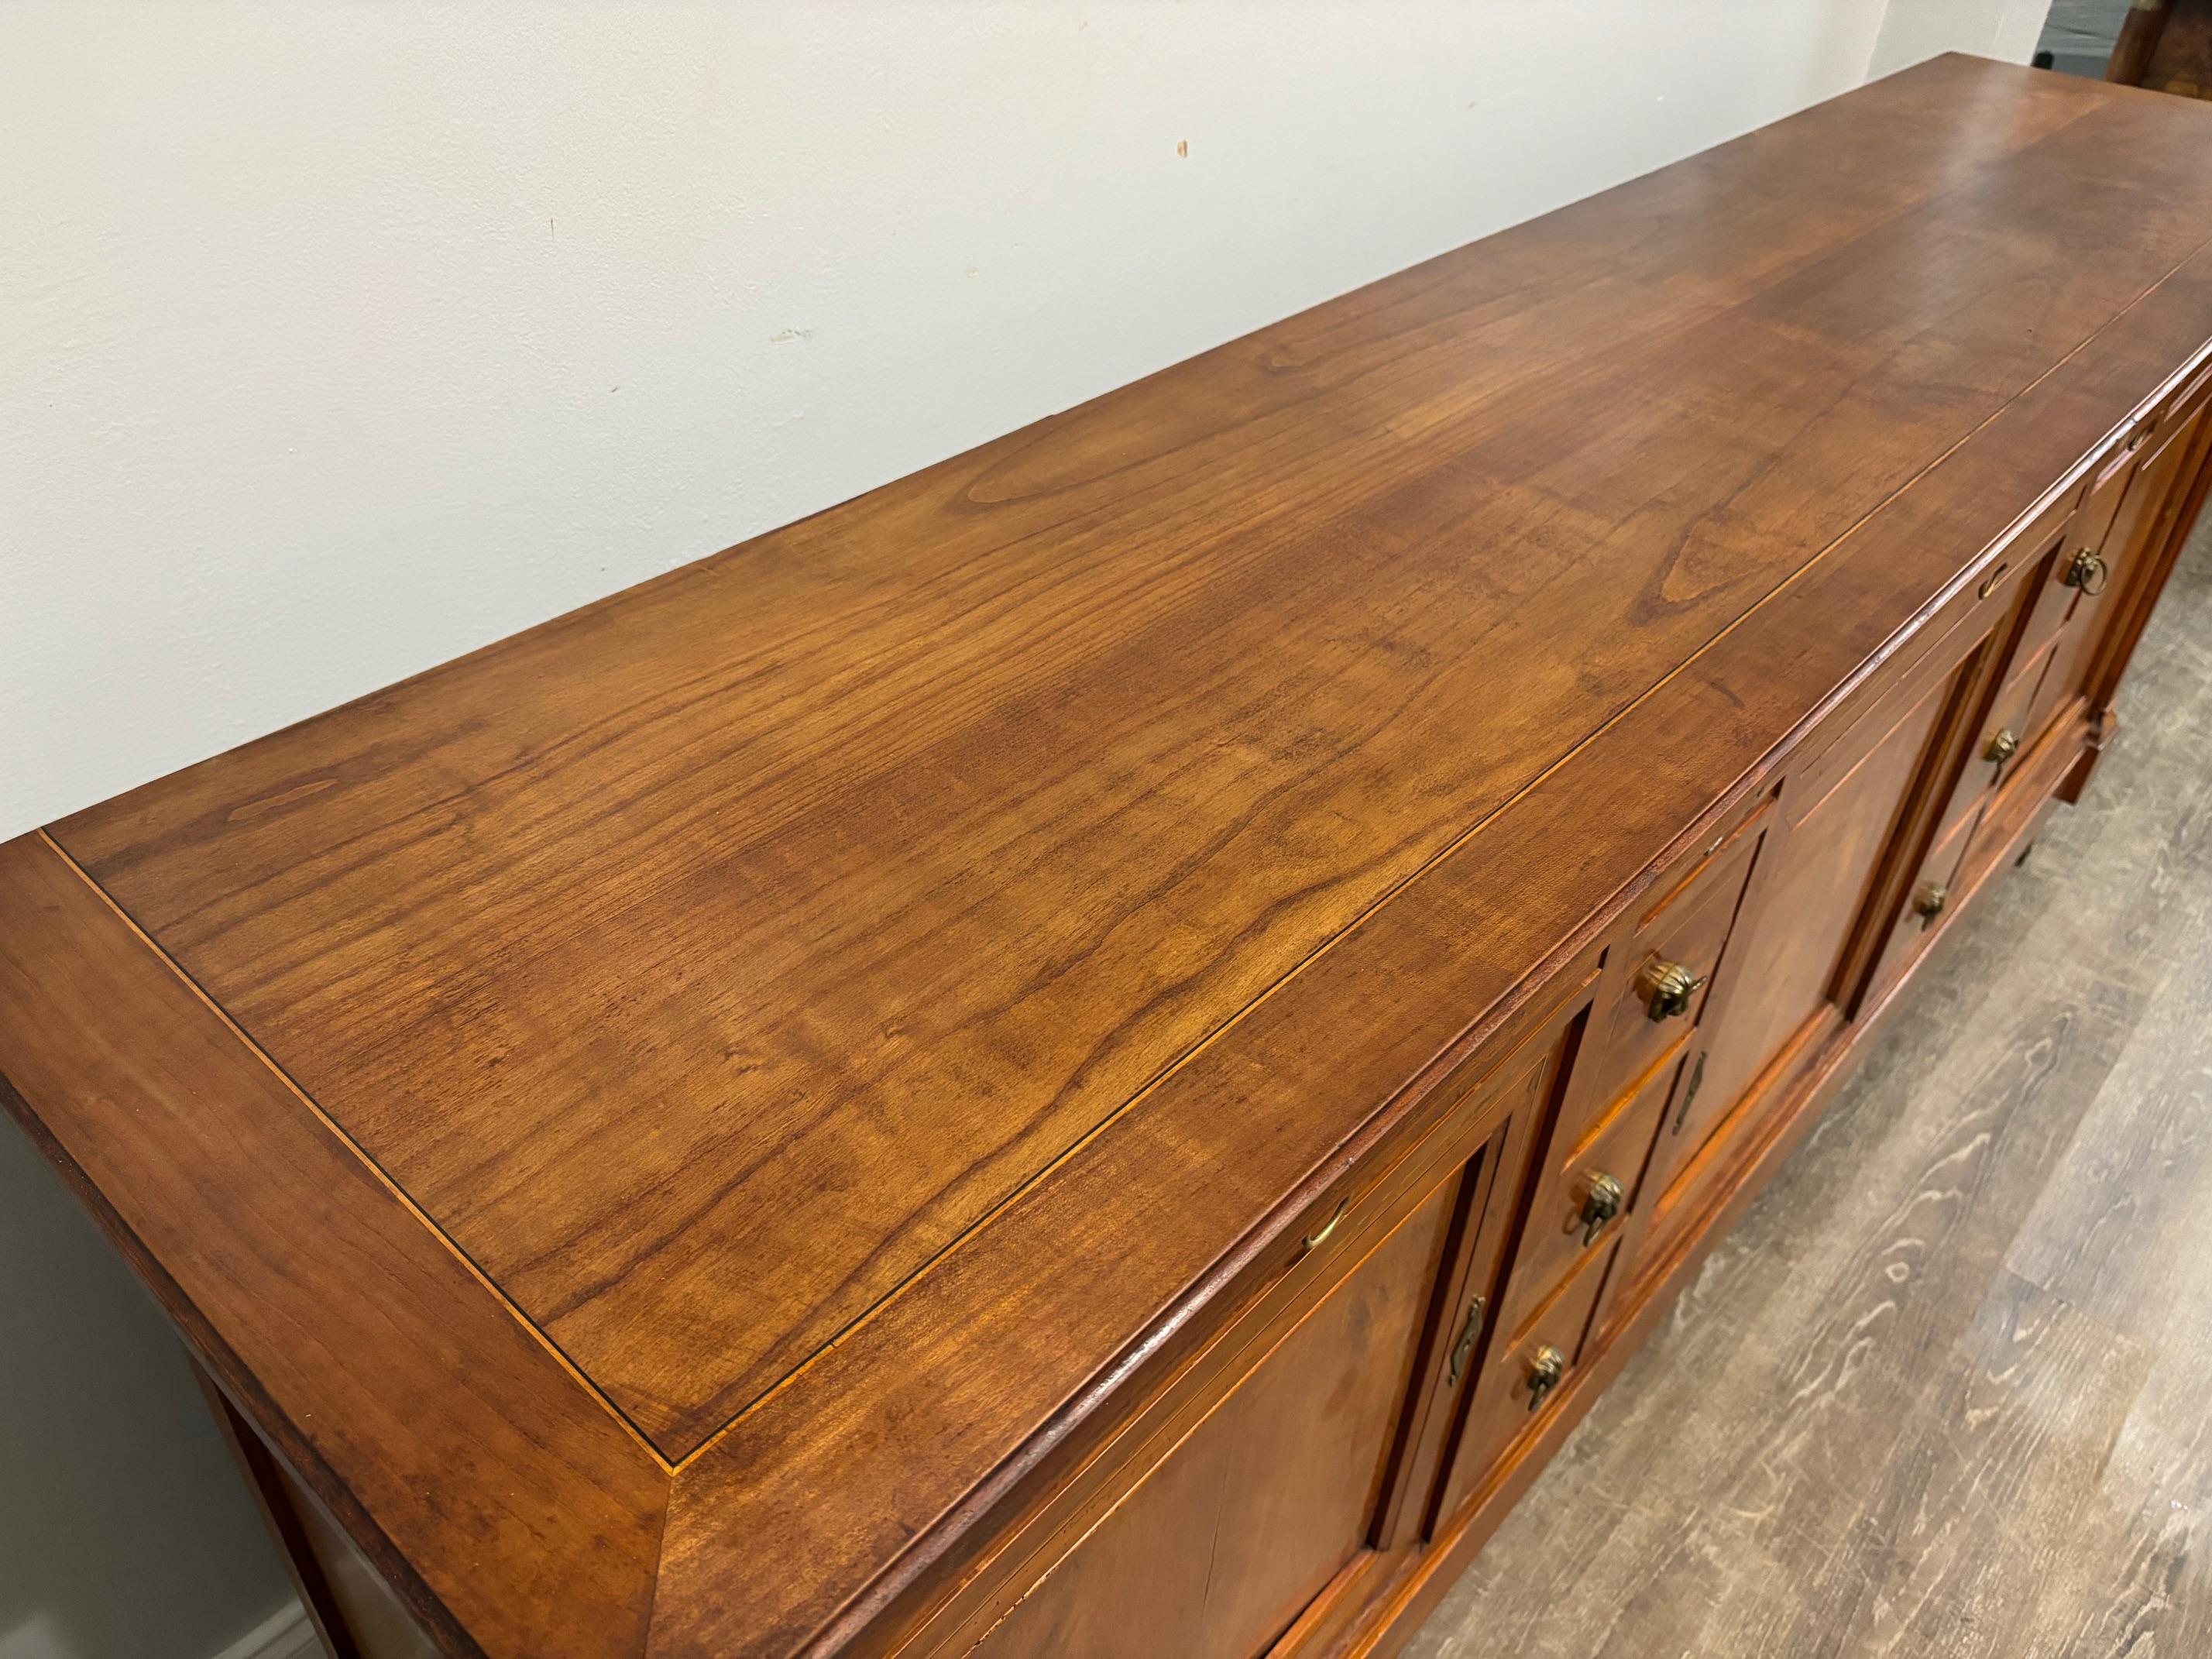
(1928, 904)
(1604, 1200)
(1545, 1367)
(2087, 572)
(1464, 1348)
(1668, 988)
(2002, 747)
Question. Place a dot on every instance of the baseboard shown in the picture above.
(286, 1633)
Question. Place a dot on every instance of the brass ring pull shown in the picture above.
(1930, 902)
(1314, 1241)
(2002, 747)
(1605, 1199)
(1545, 1367)
(2087, 572)
(1990, 582)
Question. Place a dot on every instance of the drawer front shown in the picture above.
(2081, 573)
(2106, 583)
(2004, 735)
(1926, 901)
(1998, 743)
(2059, 661)
(1670, 963)
(1522, 1377)
(2047, 612)
(1581, 1199)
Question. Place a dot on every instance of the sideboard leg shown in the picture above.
(267, 1481)
(2105, 729)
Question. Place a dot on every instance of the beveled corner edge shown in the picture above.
(514, 1510)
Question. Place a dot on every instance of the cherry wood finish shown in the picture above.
(1224, 1543)
(1015, 1063)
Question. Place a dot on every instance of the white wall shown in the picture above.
(337, 339)
(1916, 29)
(341, 338)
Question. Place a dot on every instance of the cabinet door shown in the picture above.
(1219, 1549)
(2123, 566)
(1787, 977)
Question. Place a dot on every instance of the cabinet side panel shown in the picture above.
(351, 1333)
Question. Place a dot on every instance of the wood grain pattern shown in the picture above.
(790, 1060)
(1253, 1514)
(1237, 1125)
(893, 853)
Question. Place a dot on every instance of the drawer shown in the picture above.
(1669, 964)
(2100, 507)
(2061, 665)
(2047, 609)
(2000, 741)
(1521, 1376)
(2065, 673)
(2054, 613)
(2004, 734)
(1588, 1188)
(1926, 900)
(1730, 841)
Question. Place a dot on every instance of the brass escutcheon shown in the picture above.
(1464, 1346)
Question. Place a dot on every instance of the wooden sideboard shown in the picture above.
(1097, 1053)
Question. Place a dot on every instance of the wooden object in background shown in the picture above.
(888, 1091)
(2141, 31)
(2166, 46)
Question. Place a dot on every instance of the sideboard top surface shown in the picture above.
(712, 968)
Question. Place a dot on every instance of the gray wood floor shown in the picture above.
(1948, 1388)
